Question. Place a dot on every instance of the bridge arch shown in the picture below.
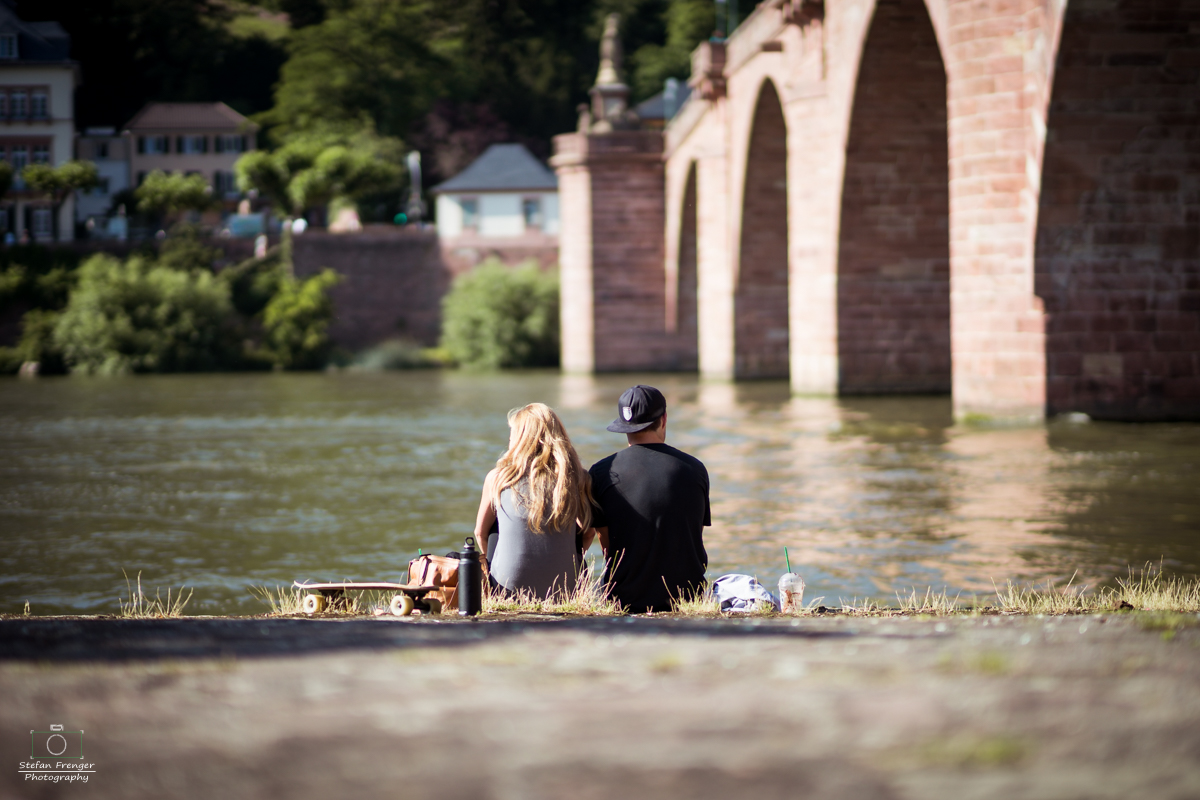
(682, 274)
(760, 329)
(1117, 252)
(893, 297)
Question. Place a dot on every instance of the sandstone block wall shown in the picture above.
(615, 261)
(686, 286)
(760, 336)
(893, 294)
(1118, 240)
(391, 288)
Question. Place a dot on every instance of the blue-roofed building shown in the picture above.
(505, 194)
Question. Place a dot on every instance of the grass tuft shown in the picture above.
(282, 600)
(590, 599)
(701, 604)
(929, 603)
(1148, 590)
(140, 606)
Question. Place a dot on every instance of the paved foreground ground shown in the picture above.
(984, 707)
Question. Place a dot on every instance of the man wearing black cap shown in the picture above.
(653, 507)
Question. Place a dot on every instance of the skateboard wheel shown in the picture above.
(435, 605)
(313, 604)
(402, 605)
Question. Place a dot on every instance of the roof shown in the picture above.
(188, 117)
(36, 41)
(502, 167)
(655, 107)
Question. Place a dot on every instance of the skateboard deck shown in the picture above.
(409, 597)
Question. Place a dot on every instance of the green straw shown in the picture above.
(787, 560)
(419, 552)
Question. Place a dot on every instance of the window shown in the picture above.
(470, 212)
(8, 45)
(141, 177)
(531, 209)
(191, 144)
(39, 107)
(41, 223)
(20, 159)
(41, 154)
(100, 151)
(228, 143)
(3, 105)
(224, 184)
(154, 145)
(101, 188)
(19, 107)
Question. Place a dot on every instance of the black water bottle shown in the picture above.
(470, 580)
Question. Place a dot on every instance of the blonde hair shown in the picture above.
(544, 471)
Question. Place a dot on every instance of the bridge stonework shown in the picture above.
(1000, 198)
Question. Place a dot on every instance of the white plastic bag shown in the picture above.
(740, 593)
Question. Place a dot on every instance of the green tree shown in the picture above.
(139, 317)
(56, 184)
(313, 169)
(383, 60)
(171, 193)
(296, 321)
(132, 52)
(687, 23)
(497, 316)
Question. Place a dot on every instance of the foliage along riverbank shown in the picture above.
(181, 309)
(165, 310)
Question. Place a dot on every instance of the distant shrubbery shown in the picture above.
(168, 312)
(497, 316)
(137, 316)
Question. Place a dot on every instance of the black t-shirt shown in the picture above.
(654, 501)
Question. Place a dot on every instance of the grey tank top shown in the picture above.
(538, 563)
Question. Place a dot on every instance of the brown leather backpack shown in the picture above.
(442, 572)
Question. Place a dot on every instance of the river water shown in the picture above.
(221, 483)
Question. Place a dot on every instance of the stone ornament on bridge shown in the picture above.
(610, 96)
(708, 70)
(803, 12)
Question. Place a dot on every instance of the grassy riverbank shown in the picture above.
(1145, 590)
(1148, 590)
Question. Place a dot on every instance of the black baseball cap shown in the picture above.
(638, 409)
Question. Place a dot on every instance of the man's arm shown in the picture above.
(592, 534)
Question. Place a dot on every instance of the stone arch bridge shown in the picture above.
(994, 198)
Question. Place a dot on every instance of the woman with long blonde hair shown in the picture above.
(540, 494)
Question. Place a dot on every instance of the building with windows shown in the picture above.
(192, 138)
(37, 120)
(504, 204)
(109, 151)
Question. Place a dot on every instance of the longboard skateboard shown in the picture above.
(408, 597)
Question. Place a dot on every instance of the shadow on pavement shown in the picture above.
(128, 639)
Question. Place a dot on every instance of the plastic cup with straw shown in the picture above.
(791, 588)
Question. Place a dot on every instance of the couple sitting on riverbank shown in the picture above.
(647, 504)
